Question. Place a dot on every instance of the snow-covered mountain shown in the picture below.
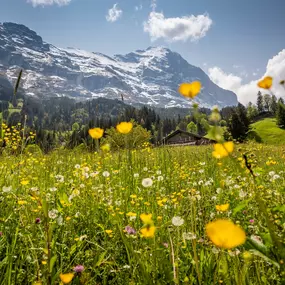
(148, 77)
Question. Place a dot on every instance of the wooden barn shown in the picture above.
(180, 137)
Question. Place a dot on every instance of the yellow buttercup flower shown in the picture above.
(190, 90)
(225, 234)
(124, 127)
(223, 150)
(25, 182)
(148, 231)
(66, 278)
(96, 133)
(109, 232)
(146, 219)
(265, 83)
(222, 208)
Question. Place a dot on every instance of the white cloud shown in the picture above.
(138, 8)
(153, 5)
(114, 13)
(224, 80)
(177, 29)
(247, 92)
(48, 2)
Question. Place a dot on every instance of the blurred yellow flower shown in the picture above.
(66, 278)
(265, 83)
(108, 232)
(223, 150)
(190, 90)
(148, 231)
(21, 202)
(96, 133)
(25, 182)
(146, 219)
(225, 234)
(105, 147)
(124, 127)
(222, 208)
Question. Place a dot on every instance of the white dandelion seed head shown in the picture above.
(189, 236)
(106, 174)
(177, 221)
(53, 189)
(7, 189)
(147, 182)
(53, 214)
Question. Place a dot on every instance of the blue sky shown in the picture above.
(238, 37)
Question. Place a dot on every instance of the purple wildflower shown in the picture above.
(78, 269)
(38, 220)
(130, 230)
(1, 234)
(251, 221)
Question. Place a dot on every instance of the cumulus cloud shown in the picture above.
(114, 13)
(48, 2)
(177, 29)
(153, 5)
(247, 92)
(138, 8)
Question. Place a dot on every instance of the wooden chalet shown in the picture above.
(180, 137)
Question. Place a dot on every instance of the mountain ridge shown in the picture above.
(150, 77)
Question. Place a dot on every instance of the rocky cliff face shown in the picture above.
(148, 77)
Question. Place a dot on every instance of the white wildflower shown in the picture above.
(59, 220)
(7, 189)
(147, 182)
(106, 174)
(59, 178)
(177, 221)
(160, 178)
(53, 214)
(52, 189)
(189, 236)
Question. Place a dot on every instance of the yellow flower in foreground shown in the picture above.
(222, 208)
(124, 127)
(225, 234)
(146, 219)
(25, 182)
(265, 83)
(148, 231)
(106, 147)
(190, 90)
(223, 150)
(96, 133)
(66, 278)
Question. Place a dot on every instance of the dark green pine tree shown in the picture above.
(239, 123)
(259, 102)
(280, 115)
(273, 104)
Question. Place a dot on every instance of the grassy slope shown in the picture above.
(269, 131)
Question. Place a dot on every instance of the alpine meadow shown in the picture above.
(141, 168)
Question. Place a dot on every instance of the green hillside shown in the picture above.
(269, 132)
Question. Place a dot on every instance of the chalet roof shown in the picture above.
(186, 133)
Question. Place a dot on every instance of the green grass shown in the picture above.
(269, 132)
(85, 200)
